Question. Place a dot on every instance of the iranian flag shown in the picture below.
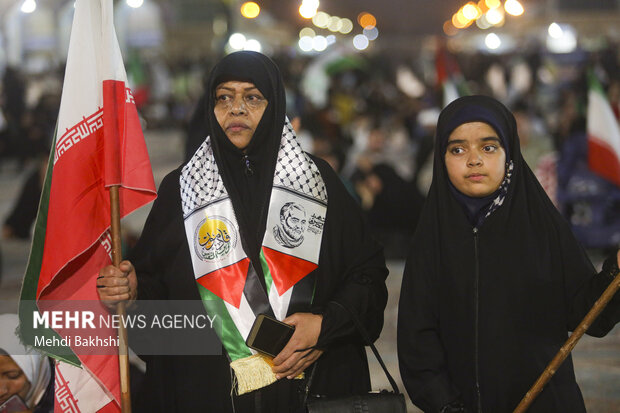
(98, 144)
(603, 134)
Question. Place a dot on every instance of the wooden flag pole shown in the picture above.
(568, 346)
(123, 352)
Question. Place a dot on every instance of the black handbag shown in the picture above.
(382, 402)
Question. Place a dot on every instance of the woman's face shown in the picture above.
(12, 380)
(475, 159)
(239, 107)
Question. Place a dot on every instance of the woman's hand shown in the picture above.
(290, 363)
(116, 285)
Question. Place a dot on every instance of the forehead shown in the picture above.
(7, 363)
(472, 131)
(236, 85)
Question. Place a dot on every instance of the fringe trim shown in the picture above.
(253, 373)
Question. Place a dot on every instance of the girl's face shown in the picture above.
(12, 380)
(475, 159)
(239, 107)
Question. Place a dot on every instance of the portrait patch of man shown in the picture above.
(293, 223)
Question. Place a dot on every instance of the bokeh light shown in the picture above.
(253, 45)
(366, 20)
(360, 42)
(482, 5)
(319, 43)
(237, 41)
(471, 11)
(493, 4)
(305, 43)
(562, 38)
(459, 20)
(335, 24)
(29, 6)
(555, 30)
(250, 10)
(306, 31)
(492, 41)
(371, 34)
(495, 16)
(347, 26)
(449, 29)
(307, 12)
(483, 23)
(513, 7)
(321, 19)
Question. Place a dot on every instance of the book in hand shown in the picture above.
(268, 335)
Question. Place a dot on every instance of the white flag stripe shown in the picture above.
(78, 389)
(602, 123)
(90, 61)
(243, 317)
(279, 303)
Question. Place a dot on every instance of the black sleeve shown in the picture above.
(357, 264)
(420, 351)
(588, 292)
(151, 254)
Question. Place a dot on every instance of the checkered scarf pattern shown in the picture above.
(503, 190)
(201, 183)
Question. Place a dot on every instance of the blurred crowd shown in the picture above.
(372, 117)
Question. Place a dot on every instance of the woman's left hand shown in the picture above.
(291, 363)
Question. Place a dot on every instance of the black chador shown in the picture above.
(493, 285)
(350, 267)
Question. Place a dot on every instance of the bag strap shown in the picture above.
(368, 342)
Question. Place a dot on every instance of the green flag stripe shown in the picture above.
(266, 271)
(229, 334)
(31, 277)
(594, 84)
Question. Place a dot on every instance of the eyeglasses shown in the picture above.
(249, 101)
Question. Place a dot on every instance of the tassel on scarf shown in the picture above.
(254, 372)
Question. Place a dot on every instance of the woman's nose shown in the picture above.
(238, 106)
(4, 388)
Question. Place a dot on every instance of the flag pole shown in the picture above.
(123, 356)
(568, 346)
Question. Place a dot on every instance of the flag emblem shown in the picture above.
(215, 238)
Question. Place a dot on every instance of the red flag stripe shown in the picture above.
(603, 160)
(228, 282)
(286, 270)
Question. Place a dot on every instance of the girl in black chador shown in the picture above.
(495, 279)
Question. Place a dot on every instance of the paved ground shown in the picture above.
(597, 361)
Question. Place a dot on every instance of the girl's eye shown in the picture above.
(456, 150)
(490, 148)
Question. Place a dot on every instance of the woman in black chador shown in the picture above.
(495, 279)
(212, 236)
